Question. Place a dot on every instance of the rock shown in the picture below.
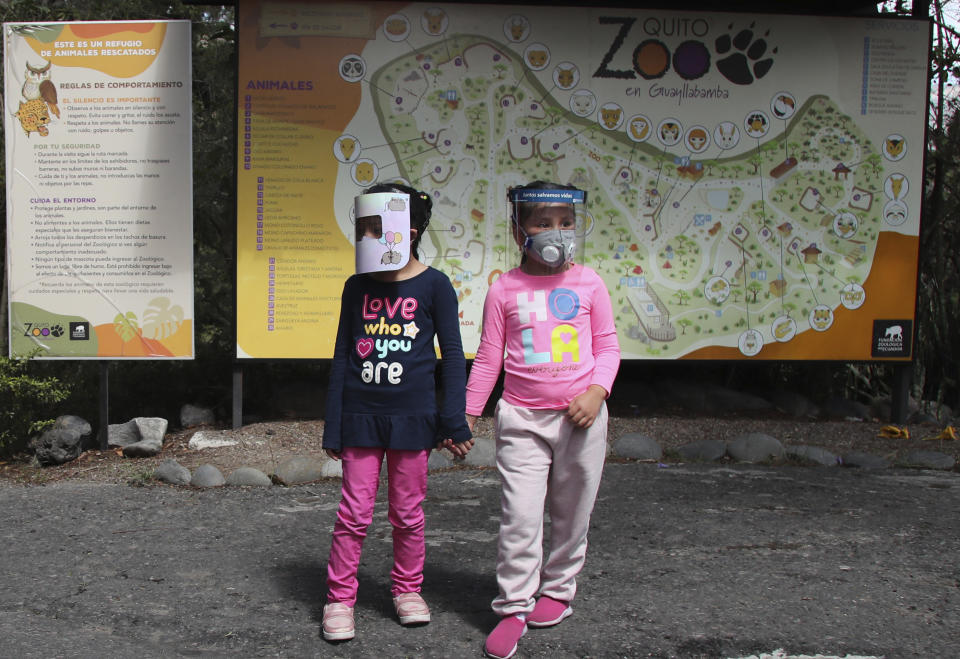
(813, 454)
(171, 471)
(723, 400)
(439, 460)
(250, 477)
(151, 428)
(191, 415)
(754, 447)
(686, 395)
(794, 404)
(332, 469)
(201, 440)
(56, 446)
(145, 448)
(841, 408)
(140, 437)
(919, 417)
(483, 453)
(637, 446)
(927, 460)
(863, 460)
(207, 476)
(122, 434)
(81, 425)
(704, 450)
(299, 469)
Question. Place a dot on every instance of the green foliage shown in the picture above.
(27, 400)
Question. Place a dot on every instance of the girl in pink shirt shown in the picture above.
(549, 325)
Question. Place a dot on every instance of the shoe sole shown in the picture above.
(339, 636)
(550, 623)
(420, 619)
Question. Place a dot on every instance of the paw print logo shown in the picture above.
(56, 330)
(742, 55)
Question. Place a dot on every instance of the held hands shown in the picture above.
(584, 408)
(333, 453)
(459, 450)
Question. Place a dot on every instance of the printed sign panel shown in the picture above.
(99, 189)
(754, 181)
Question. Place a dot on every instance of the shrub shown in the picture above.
(26, 401)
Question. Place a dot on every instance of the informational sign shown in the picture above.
(99, 189)
(754, 181)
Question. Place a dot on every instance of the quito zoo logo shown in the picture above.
(37, 330)
(742, 55)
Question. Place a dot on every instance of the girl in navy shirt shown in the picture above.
(382, 402)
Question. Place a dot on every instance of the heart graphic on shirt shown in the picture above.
(364, 347)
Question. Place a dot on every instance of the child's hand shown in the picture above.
(333, 453)
(459, 450)
(584, 408)
(471, 421)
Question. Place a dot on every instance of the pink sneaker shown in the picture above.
(502, 641)
(549, 612)
(411, 609)
(338, 622)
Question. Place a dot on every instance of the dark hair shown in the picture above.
(523, 210)
(421, 207)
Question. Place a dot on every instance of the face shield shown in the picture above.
(382, 231)
(554, 247)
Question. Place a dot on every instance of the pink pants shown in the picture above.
(544, 458)
(406, 489)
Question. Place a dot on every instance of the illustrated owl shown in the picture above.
(37, 84)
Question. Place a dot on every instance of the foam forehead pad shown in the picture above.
(558, 196)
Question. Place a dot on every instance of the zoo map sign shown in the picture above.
(754, 181)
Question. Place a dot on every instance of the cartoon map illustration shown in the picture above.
(741, 228)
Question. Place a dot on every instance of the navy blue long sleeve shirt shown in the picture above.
(382, 389)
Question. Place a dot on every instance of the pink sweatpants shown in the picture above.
(543, 457)
(406, 489)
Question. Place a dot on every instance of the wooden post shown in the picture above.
(104, 425)
(237, 396)
(900, 392)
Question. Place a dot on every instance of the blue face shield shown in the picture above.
(552, 248)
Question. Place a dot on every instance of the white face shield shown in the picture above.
(382, 231)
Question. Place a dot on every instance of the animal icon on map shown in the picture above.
(894, 147)
(669, 133)
(516, 28)
(611, 116)
(537, 58)
(756, 124)
(566, 76)
(697, 139)
(821, 318)
(639, 128)
(783, 106)
(726, 135)
(347, 147)
(433, 21)
(582, 102)
(363, 172)
(352, 68)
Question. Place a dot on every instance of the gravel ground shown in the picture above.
(264, 445)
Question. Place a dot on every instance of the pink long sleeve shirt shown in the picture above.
(559, 337)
